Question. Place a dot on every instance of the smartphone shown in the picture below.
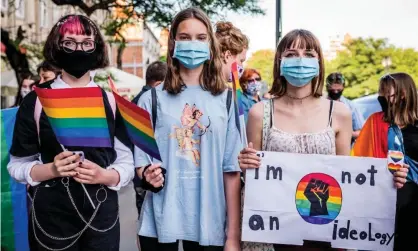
(81, 153)
(395, 160)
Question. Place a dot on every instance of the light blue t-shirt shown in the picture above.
(198, 141)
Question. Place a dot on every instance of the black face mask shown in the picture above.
(76, 63)
(335, 95)
(383, 103)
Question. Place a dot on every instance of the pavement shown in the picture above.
(128, 219)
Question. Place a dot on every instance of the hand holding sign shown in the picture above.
(318, 194)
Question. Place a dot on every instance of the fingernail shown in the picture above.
(80, 154)
(73, 153)
(80, 163)
(73, 162)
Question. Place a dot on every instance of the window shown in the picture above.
(4, 4)
(20, 8)
(43, 10)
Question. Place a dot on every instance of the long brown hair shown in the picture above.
(305, 40)
(404, 108)
(211, 78)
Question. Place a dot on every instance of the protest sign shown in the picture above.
(294, 198)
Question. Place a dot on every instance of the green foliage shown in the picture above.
(263, 61)
(163, 58)
(361, 64)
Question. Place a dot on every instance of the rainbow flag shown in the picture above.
(373, 138)
(333, 204)
(237, 88)
(138, 125)
(77, 115)
(14, 214)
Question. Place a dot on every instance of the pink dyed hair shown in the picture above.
(75, 25)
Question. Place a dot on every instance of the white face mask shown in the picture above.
(24, 92)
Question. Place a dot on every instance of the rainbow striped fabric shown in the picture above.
(77, 116)
(138, 124)
(237, 88)
(14, 213)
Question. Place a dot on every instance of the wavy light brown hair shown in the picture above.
(303, 39)
(231, 38)
(211, 78)
(404, 109)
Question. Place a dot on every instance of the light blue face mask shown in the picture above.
(191, 54)
(299, 71)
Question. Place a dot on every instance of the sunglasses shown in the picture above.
(254, 79)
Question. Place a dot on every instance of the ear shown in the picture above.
(226, 56)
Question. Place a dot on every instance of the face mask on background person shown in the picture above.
(253, 88)
(299, 71)
(335, 95)
(191, 54)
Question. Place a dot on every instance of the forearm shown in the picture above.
(42, 172)
(111, 178)
(232, 185)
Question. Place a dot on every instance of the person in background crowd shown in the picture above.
(264, 91)
(62, 217)
(154, 75)
(24, 88)
(46, 72)
(335, 88)
(196, 192)
(396, 128)
(251, 84)
(234, 46)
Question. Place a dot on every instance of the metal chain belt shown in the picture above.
(65, 181)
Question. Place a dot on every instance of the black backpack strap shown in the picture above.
(229, 100)
(154, 107)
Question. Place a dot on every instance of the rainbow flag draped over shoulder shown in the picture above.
(77, 115)
(14, 214)
(237, 90)
(373, 138)
(138, 124)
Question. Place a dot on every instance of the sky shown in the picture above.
(396, 20)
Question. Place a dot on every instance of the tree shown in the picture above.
(361, 64)
(263, 61)
(160, 12)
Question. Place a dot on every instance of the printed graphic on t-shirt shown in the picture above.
(188, 135)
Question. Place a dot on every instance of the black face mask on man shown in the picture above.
(335, 95)
(76, 63)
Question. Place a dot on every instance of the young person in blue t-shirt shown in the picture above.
(195, 192)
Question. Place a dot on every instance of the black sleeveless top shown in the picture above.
(25, 137)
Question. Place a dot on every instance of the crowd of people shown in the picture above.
(194, 194)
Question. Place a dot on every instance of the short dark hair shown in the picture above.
(335, 78)
(45, 66)
(77, 24)
(156, 71)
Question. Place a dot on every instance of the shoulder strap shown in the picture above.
(154, 107)
(37, 116)
(331, 108)
(229, 100)
(266, 122)
(112, 102)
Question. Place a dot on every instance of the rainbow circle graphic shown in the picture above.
(396, 156)
(318, 198)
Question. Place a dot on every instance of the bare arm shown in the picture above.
(343, 128)
(255, 125)
(232, 185)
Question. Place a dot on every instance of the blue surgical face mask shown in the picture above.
(299, 71)
(253, 88)
(240, 69)
(191, 54)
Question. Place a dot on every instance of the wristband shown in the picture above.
(147, 186)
